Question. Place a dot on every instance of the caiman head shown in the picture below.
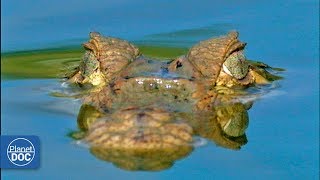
(147, 123)
(220, 60)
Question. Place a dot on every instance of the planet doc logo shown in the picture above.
(21, 152)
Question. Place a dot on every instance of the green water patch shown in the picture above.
(56, 62)
(186, 37)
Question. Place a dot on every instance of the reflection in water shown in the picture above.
(151, 135)
(139, 159)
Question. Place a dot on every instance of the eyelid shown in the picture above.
(226, 70)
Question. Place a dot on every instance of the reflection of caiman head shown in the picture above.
(143, 114)
(136, 139)
(152, 139)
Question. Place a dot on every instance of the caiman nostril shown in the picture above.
(141, 115)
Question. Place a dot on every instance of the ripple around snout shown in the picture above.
(261, 92)
(199, 141)
(81, 143)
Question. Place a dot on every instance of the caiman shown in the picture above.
(143, 114)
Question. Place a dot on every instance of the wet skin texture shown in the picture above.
(143, 114)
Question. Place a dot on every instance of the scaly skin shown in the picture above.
(108, 56)
(143, 114)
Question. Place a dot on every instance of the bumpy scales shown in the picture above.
(143, 114)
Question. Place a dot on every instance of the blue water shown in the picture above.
(283, 133)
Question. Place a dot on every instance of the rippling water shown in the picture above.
(283, 133)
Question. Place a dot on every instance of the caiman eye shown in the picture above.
(236, 65)
(89, 63)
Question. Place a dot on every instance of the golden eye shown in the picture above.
(236, 65)
(89, 63)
